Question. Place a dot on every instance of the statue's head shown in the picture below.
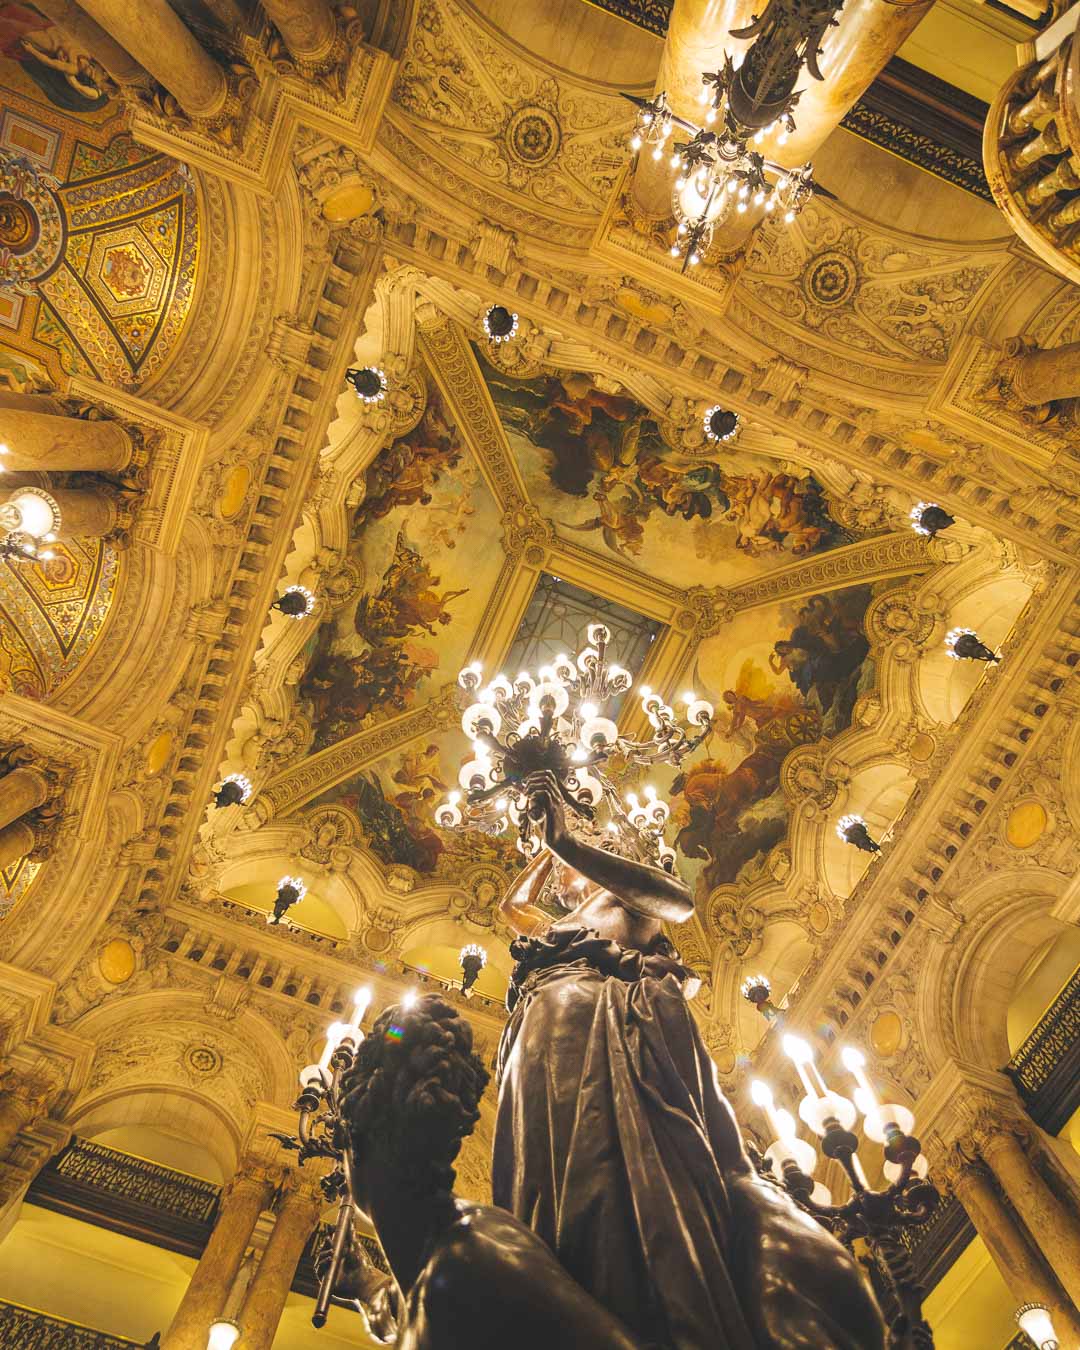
(411, 1096)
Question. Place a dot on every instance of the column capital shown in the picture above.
(31, 1091)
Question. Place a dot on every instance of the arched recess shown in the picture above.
(968, 986)
(165, 1125)
(163, 1044)
(332, 906)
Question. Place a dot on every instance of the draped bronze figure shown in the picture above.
(613, 1141)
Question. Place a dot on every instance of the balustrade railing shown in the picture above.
(25, 1329)
(1031, 147)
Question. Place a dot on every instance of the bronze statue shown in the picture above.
(469, 1275)
(613, 1141)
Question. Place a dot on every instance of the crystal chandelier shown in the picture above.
(558, 723)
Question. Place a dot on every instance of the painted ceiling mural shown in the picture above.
(51, 614)
(99, 237)
(780, 677)
(425, 578)
(783, 674)
(597, 464)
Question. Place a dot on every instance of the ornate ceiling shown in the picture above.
(371, 215)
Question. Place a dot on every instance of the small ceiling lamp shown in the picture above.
(500, 323)
(853, 830)
(235, 790)
(368, 382)
(296, 602)
(1034, 1321)
(721, 424)
(757, 990)
(930, 519)
(290, 891)
(964, 644)
(29, 519)
(473, 959)
(223, 1334)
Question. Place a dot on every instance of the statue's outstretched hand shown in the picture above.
(544, 805)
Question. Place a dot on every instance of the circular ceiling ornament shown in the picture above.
(830, 280)
(32, 232)
(202, 1061)
(533, 136)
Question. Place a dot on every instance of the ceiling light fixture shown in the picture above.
(556, 723)
(721, 424)
(473, 959)
(296, 602)
(719, 172)
(290, 891)
(500, 323)
(964, 644)
(369, 383)
(235, 790)
(930, 519)
(29, 519)
(855, 831)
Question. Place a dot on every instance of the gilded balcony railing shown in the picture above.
(24, 1329)
(1031, 146)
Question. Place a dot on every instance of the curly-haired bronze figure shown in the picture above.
(469, 1275)
(613, 1141)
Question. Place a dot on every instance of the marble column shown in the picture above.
(85, 513)
(16, 841)
(37, 438)
(157, 37)
(296, 1218)
(241, 1203)
(1034, 377)
(697, 38)
(306, 25)
(93, 39)
(21, 790)
(1050, 1222)
(1018, 1265)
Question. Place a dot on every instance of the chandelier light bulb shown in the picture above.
(368, 383)
(761, 1093)
(797, 1050)
(1035, 1322)
(852, 1059)
(409, 999)
(635, 143)
(223, 1334)
(361, 1002)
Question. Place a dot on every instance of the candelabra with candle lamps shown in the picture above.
(876, 1216)
(323, 1133)
(556, 724)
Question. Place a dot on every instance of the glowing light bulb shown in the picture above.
(635, 142)
(851, 1058)
(409, 998)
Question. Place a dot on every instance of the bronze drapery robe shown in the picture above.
(614, 1143)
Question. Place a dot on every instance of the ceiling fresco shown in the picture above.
(52, 613)
(99, 236)
(599, 465)
(423, 579)
(780, 677)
